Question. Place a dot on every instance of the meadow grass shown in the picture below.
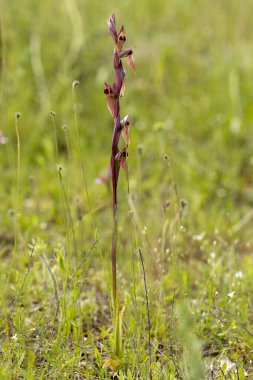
(187, 206)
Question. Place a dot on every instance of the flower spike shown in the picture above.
(121, 128)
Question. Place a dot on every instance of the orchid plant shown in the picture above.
(121, 129)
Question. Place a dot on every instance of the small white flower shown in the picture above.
(231, 294)
(239, 274)
(200, 236)
(59, 168)
(3, 139)
(235, 125)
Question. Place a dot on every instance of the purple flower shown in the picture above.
(118, 38)
(112, 27)
(111, 99)
(121, 158)
(129, 54)
(124, 123)
(121, 39)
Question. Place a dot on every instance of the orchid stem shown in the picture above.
(118, 157)
(114, 251)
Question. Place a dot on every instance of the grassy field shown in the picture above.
(189, 210)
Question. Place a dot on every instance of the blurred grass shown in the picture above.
(191, 98)
(191, 94)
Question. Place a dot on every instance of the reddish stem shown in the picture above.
(115, 174)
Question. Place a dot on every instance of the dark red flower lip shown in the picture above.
(126, 53)
(108, 90)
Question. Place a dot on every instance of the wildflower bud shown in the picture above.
(77, 199)
(11, 213)
(130, 213)
(76, 83)
(53, 114)
(140, 149)
(112, 27)
(18, 115)
(183, 203)
(59, 168)
(65, 127)
(166, 205)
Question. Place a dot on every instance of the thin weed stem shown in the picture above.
(54, 283)
(17, 116)
(66, 195)
(148, 313)
(55, 137)
(70, 279)
(15, 232)
(61, 190)
(24, 279)
(17, 200)
(177, 224)
(139, 170)
(74, 85)
(67, 142)
(174, 185)
(131, 232)
(70, 219)
(69, 158)
(66, 221)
